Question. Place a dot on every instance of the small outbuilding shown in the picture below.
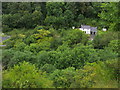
(104, 29)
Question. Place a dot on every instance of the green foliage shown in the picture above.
(27, 16)
(65, 57)
(102, 40)
(45, 57)
(41, 35)
(37, 47)
(105, 76)
(48, 68)
(106, 54)
(96, 75)
(60, 14)
(113, 64)
(6, 28)
(20, 46)
(75, 36)
(63, 78)
(30, 39)
(114, 45)
(109, 14)
(84, 78)
(6, 57)
(11, 57)
(83, 54)
(25, 75)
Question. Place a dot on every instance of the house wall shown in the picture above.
(87, 31)
(81, 29)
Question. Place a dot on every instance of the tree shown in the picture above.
(100, 41)
(22, 15)
(25, 75)
(75, 36)
(63, 78)
(110, 14)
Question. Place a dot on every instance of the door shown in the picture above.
(90, 32)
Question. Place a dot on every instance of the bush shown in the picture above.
(6, 28)
(6, 57)
(37, 47)
(75, 36)
(48, 68)
(114, 45)
(63, 78)
(105, 76)
(25, 75)
(45, 57)
(84, 78)
(106, 54)
(113, 64)
(11, 57)
(102, 40)
(65, 57)
(96, 75)
(20, 46)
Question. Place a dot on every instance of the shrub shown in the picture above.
(75, 36)
(106, 54)
(65, 57)
(84, 78)
(63, 78)
(11, 57)
(7, 54)
(45, 57)
(96, 75)
(25, 75)
(102, 40)
(114, 45)
(48, 68)
(20, 46)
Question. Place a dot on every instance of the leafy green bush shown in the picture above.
(102, 40)
(114, 45)
(20, 46)
(45, 57)
(11, 57)
(25, 75)
(29, 39)
(105, 74)
(65, 57)
(106, 54)
(37, 47)
(6, 28)
(96, 75)
(113, 64)
(63, 78)
(84, 78)
(7, 54)
(48, 68)
(75, 36)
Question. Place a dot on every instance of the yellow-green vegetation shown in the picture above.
(45, 52)
(25, 75)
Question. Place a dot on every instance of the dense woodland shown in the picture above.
(45, 52)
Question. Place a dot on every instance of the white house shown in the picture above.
(88, 29)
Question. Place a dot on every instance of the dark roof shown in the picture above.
(85, 26)
(93, 28)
